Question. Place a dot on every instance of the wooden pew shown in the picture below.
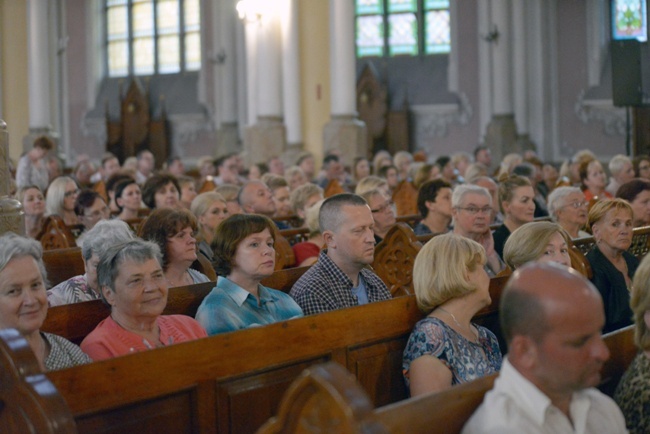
(394, 259)
(412, 219)
(405, 197)
(62, 264)
(55, 234)
(234, 381)
(329, 390)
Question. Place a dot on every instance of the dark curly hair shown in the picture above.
(163, 224)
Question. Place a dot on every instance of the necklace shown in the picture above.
(475, 334)
(173, 283)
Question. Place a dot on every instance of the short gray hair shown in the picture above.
(617, 162)
(14, 246)
(135, 250)
(557, 197)
(330, 216)
(461, 191)
(103, 235)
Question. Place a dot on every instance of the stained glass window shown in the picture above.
(403, 38)
(630, 19)
(402, 27)
(145, 37)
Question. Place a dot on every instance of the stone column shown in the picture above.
(291, 78)
(38, 60)
(225, 72)
(267, 137)
(11, 211)
(501, 132)
(520, 32)
(344, 131)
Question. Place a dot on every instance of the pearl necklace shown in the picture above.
(472, 332)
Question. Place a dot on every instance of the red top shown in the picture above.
(109, 339)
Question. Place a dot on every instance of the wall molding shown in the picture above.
(601, 111)
(433, 120)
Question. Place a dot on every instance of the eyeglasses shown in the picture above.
(388, 205)
(71, 193)
(98, 213)
(475, 210)
(577, 204)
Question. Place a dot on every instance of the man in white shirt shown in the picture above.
(552, 318)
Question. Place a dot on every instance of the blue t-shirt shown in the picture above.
(229, 307)
(360, 291)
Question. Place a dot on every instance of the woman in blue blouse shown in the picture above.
(445, 348)
(243, 255)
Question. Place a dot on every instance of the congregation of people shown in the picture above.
(143, 230)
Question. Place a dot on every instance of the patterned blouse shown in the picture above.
(73, 290)
(633, 395)
(63, 353)
(466, 360)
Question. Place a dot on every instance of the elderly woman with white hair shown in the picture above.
(132, 283)
(446, 348)
(84, 287)
(569, 208)
(23, 303)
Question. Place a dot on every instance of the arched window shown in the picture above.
(147, 37)
(402, 27)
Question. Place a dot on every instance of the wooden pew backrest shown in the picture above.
(233, 382)
(329, 390)
(394, 259)
(62, 264)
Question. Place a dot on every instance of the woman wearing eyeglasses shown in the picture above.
(60, 199)
(383, 212)
(569, 208)
(637, 193)
(516, 196)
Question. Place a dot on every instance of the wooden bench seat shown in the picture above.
(330, 390)
(232, 383)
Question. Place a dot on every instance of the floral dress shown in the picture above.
(466, 360)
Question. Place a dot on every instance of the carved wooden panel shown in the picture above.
(325, 399)
(332, 188)
(55, 234)
(136, 130)
(243, 405)
(171, 414)
(28, 400)
(372, 106)
(378, 368)
(640, 241)
(394, 259)
(405, 197)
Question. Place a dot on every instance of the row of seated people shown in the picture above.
(363, 218)
(537, 280)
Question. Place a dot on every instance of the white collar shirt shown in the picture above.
(515, 405)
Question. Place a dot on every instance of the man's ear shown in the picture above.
(328, 238)
(524, 350)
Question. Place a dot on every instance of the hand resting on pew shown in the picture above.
(23, 303)
(445, 348)
(243, 252)
(133, 284)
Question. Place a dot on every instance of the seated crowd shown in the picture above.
(475, 225)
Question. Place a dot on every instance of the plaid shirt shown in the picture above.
(325, 287)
